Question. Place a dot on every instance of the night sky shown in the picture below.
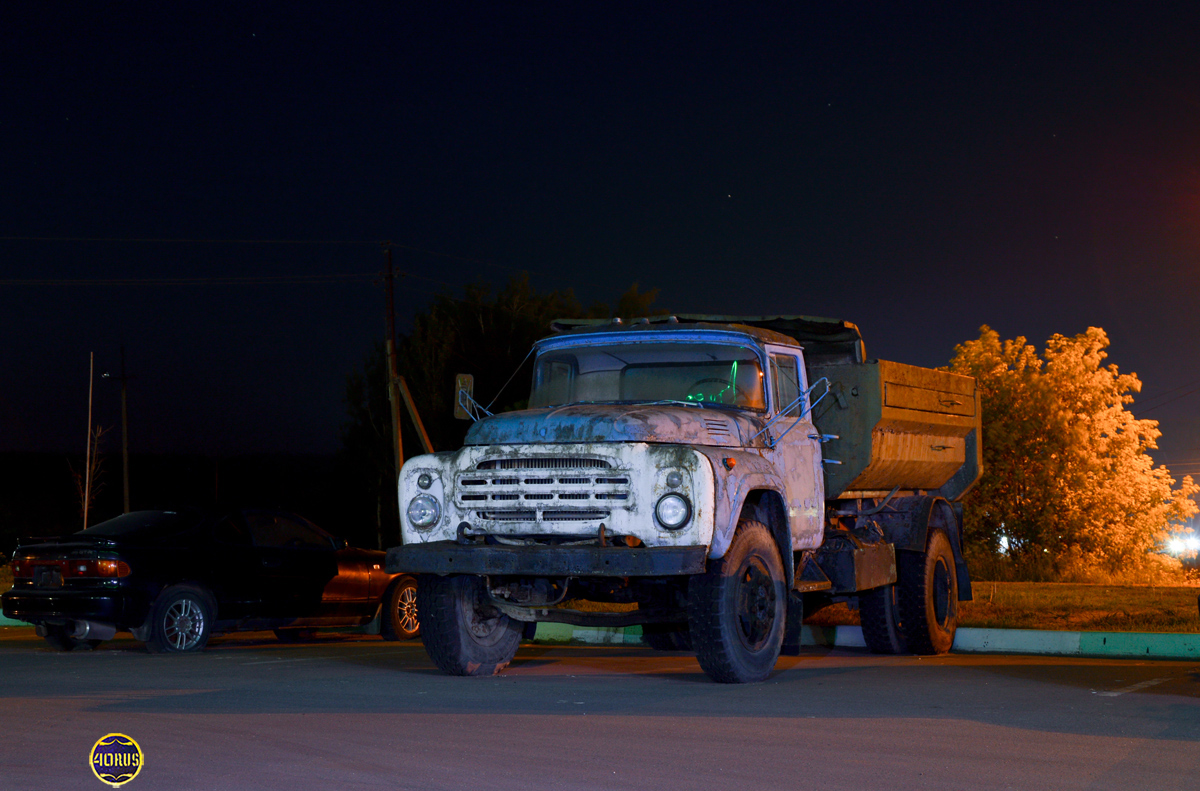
(917, 169)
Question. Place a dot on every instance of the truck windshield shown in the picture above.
(692, 373)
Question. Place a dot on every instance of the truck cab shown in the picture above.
(674, 469)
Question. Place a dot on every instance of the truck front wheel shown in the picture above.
(462, 633)
(928, 595)
(737, 608)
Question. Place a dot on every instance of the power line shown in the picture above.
(354, 277)
(1171, 400)
(1157, 396)
(138, 239)
(347, 242)
(237, 280)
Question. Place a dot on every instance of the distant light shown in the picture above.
(1176, 546)
(1003, 545)
(1192, 543)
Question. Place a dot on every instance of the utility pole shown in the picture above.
(124, 433)
(393, 379)
(87, 459)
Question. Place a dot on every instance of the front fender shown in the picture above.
(750, 471)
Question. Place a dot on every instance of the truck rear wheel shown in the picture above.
(928, 595)
(462, 633)
(880, 614)
(737, 608)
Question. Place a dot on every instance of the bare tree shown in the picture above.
(93, 470)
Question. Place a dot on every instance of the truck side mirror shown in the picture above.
(463, 384)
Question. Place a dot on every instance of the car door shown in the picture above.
(348, 595)
(232, 568)
(796, 452)
(296, 561)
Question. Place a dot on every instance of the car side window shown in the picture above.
(276, 530)
(304, 535)
(786, 377)
(230, 530)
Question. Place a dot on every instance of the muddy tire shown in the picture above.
(879, 610)
(463, 635)
(399, 619)
(737, 608)
(927, 592)
(180, 621)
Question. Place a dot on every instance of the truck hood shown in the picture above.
(617, 423)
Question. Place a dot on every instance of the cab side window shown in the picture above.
(785, 376)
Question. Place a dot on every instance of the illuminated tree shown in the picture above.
(1069, 488)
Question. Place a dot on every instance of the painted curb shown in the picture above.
(1016, 641)
(1125, 645)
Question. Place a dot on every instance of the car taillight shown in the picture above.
(22, 569)
(112, 568)
(95, 568)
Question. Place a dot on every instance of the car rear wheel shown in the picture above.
(400, 620)
(180, 621)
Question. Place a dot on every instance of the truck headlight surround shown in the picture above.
(673, 511)
(424, 511)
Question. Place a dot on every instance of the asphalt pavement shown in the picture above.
(354, 711)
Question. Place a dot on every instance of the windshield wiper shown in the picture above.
(637, 403)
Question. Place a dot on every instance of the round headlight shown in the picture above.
(424, 480)
(424, 511)
(673, 511)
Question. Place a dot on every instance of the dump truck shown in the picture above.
(706, 477)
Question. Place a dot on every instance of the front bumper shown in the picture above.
(448, 557)
(35, 606)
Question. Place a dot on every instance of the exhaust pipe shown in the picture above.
(90, 630)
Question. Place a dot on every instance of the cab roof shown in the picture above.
(823, 340)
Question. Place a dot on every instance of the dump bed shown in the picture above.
(897, 426)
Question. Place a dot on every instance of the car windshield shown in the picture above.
(139, 522)
(704, 374)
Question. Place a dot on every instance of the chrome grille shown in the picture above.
(566, 489)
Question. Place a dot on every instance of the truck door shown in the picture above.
(796, 454)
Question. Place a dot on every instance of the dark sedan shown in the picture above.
(173, 578)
